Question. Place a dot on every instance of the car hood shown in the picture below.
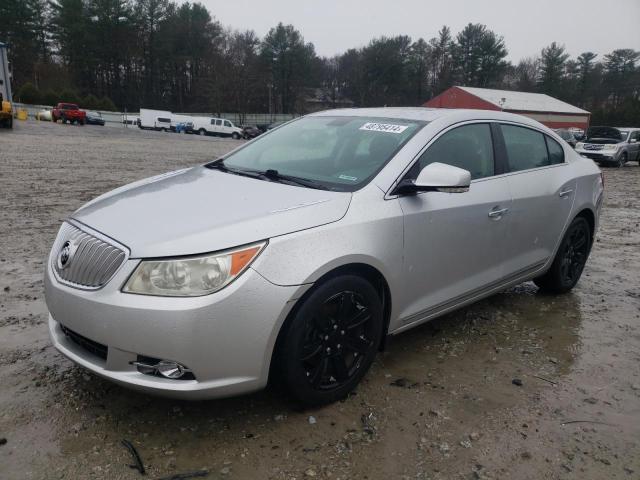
(200, 210)
(598, 134)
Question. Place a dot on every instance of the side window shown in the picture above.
(227, 123)
(556, 153)
(469, 147)
(213, 121)
(635, 135)
(526, 148)
(218, 122)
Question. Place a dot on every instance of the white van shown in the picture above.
(155, 120)
(216, 126)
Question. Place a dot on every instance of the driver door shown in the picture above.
(455, 243)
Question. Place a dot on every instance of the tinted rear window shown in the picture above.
(556, 152)
(526, 148)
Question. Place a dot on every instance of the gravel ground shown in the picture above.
(439, 403)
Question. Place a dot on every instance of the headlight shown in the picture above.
(610, 146)
(191, 276)
(579, 145)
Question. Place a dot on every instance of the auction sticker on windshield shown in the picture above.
(383, 127)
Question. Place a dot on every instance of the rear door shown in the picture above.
(543, 191)
(454, 243)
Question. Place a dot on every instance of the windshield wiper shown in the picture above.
(274, 175)
(219, 165)
(270, 174)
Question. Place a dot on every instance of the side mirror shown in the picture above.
(437, 177)
(633, 140)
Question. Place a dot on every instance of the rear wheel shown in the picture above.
(570, 259)
(331, 340)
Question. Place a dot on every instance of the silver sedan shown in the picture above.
(294, 256)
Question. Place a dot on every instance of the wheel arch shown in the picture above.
(363, 270)
(590, 217)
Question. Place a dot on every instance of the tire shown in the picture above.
(235, 136)
(622, 160)
(570, 259)
(330, 341)
(202, 132)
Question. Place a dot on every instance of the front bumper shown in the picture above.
(225, 338)
(599, 155)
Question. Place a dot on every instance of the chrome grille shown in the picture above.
(93, 261)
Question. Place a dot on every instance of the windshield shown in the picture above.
(340, 153)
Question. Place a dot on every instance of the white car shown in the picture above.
(44, 115)
(294, 256)
(216, 126)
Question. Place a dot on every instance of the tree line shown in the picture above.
(160, 54)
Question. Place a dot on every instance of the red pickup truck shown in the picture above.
(68, 112)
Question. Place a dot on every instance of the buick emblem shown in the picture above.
(66, 255)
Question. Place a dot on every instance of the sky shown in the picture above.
(527, 26)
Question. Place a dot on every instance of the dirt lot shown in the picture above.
(438, 404)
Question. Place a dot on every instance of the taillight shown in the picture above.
(602, 178)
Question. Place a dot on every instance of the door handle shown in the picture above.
(498, 213)
(565, 193)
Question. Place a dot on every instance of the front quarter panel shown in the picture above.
(371, 233)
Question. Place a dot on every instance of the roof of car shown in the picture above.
(426, 114)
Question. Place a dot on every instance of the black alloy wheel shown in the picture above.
(574, 255)
(336, 339)
(570, 259)
(331, 341)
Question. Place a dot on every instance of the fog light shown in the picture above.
(171, 369)
(163, 368)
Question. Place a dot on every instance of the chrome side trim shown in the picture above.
(470, 297)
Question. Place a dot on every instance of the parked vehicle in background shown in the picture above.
(216, 126)
(68, 112)
(95, 118)
(273, 125)
(568, 136)
(610, 145)
(180, 119)
(294, 256)
(44, 115)
(251, 132)
(184, 127)
(155, 120)
(6, 108)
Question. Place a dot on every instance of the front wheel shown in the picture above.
(235, 136)
(331, 340)
(570, 259)
(202, 132)
(622, 160)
